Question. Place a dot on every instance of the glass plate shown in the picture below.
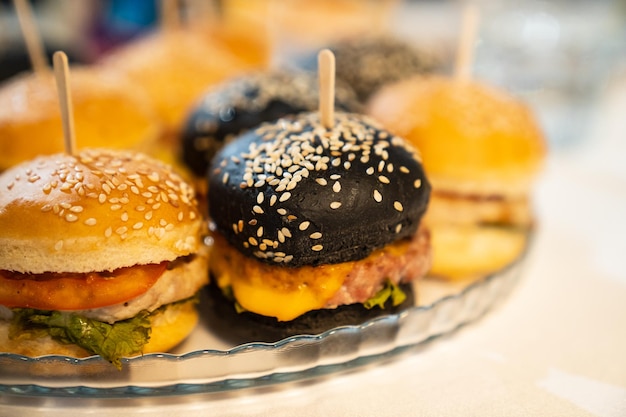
(204, 363)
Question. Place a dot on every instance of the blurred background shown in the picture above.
(558, 55)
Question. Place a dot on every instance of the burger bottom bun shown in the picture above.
(470, 251)
(246, 327)
(169, 327)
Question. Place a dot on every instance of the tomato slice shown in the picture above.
(74, 291)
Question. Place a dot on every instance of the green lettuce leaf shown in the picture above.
(389, 291)
(111, 341)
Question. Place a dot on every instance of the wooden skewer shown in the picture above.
(32, 38)
(201, 13)
(465, 51)
(170, 14)
(326, 70)
(62, 75)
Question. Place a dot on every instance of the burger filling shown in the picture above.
(286, 293)
(74, 311)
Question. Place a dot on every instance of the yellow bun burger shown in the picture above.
(100, 253)
(108, 111)
(174, 67)
(482, 150)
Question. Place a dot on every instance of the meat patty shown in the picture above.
(369, 275)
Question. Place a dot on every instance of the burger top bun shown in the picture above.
(108, 111)
(174, 67)
(295, 192)
(96, 211)
(474, 139)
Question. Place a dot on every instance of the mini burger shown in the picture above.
(244, 102)
(483, 150)
(100, 254)
(315, 227)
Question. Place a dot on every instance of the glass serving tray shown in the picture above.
(204, 363)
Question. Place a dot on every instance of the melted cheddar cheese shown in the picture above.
(282, 292)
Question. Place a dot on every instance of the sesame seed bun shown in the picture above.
(242, 103)
(96, 211)
(108, 111)
(367, 63)
(316, 199)
(474, 138)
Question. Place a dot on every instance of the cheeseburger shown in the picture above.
(315, 227)
(244, 102)
(100, 253)
(482, 151)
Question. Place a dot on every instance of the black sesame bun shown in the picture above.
(245, 102)
(308, 218)
(367, 63)
(99, 243)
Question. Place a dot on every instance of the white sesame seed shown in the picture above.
(317, 248)
(137, 225)
(108, 232)
(378, 196)
(398, 206)
(316, 235)
(321, 181)
(335, 205)
(281, 211)
(383, 179)
(148, 215)
(304, 225)
(286, 232)
(257, 209)
(58, 246)
(417, 183)
(90, 221)
(259, 231)
(71, 217)
(284, 197)
(369, 171)
(398, 227)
